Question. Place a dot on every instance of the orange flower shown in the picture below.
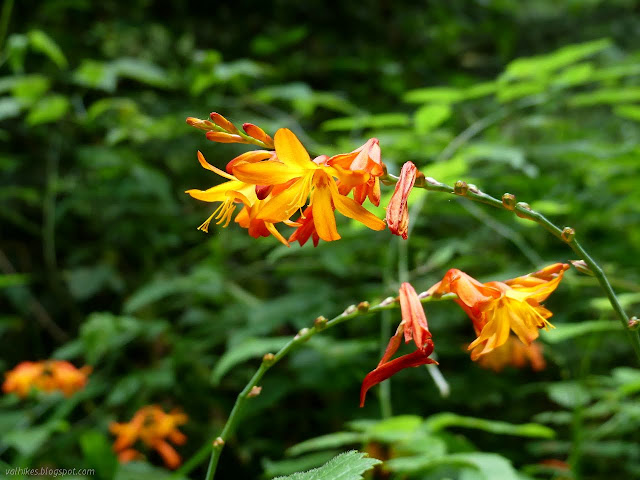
(47, 376)
(514, 353)
(367, 159)
(153, 427)
(413, 326)
(397, 210)
(495, 308)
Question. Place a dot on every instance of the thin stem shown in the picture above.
(524, 211)
(216, 445)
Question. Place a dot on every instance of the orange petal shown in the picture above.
(290, 151)
(413, 316)
(249, 157)
(208, 166)
(397, 210)
(352, 209)
(281, 207)
(168, 454)
(266, 173)
(323, 217)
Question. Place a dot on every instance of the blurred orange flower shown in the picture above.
(47, 376)
(496, 308)
(516, 354)
(154, 428)
(412, 327)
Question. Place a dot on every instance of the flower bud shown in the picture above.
(320, 323)
(524, 206)
(257, 133)
(222, 137)
(349, 310)
(460, 188)
(509, 201)
(223, 123)
(218, 442)
(568, 234)
(397, 210)
(582, 267)
(301, 333)
(268, 359)
(254, 392)
(633, 323)
(363, 307)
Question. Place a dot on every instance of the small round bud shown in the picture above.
(568, 234)
(387, 301)
(363, 307)
(349, 310)
(301, 333)
(460, 187)
(320, 323)
(633, 323)
(473, 188)
(509, 201)
(268, 358)
(524, 206)
(218, 442)
(254, 392)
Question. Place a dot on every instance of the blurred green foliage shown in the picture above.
(101, 263)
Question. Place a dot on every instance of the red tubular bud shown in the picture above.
(223, 123)
(257, 133)
(221, 137)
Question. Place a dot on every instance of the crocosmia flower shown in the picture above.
(46, 376)
(496, 308)
(412, 327)
(155, 429)
(397, 210)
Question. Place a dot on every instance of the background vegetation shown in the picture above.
(101, 262)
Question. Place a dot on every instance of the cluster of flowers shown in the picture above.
(47, 376)
(495, 308)
(275, 183)
(155, 429)
(151, 425)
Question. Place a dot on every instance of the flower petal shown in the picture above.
(323, 217)
(290, 151)
(350, 208)
(266, 173)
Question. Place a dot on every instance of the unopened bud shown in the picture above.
(387, 301)
(268, 358)
(254, 392)
(568, 234)
(301, 333)
(509, 201)
(633, 323)
(349, 310)
(460, 187)
(473, 188)
(524, 206)
(320, 323)
(363, 307)
(218, 442)
(223, 122)
(582, 267)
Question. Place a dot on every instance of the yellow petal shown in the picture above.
(217, 193)
(290, 151)
(352, 209)
(323, 217)
(208, 166)
(266, 173)
(276, 233)
(281, 207)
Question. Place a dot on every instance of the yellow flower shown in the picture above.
(516, 354)
(496, 308)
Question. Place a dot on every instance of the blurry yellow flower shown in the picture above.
(514, 353)
(47, 376)
(153, 427)
(496, 308)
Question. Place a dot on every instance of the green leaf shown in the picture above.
(394, 429)
(434, 95)
(105, 332)
(632, 112)
(249, 348)
(144, 471)
(9, 108)
(43, 43)
(49, 109)
(347, 466)
(292, 465)
(545, 64)
(383, 120)
(605, 96)
(29, 88)
(441, 421)
(142, 71)
(566, 331)
(568, 394)
(429, 117)
(94, 74)
(97, 451)
(490, 465)
(323, 442)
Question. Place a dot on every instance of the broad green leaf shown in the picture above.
(383, 120)
(142, 71)
(574, 75)
(510, 92)
(104, 332)
(49, 109)
(429, 117)
(632, 112)
(627, 300)
(434, 95)
(566, 331)
(9, 108)
(94, 74)
(478, 90)
(545, 64)
(43, 43)
(605, 96)
(568, 394)
(249, 348)
(441, 421)
(490, 465)
(29, 440)
(347, 466)
(324, 442)
(29, 88)
(121, 104)
(394, 428)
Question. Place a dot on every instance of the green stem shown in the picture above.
(524, 211)
(216, 445)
